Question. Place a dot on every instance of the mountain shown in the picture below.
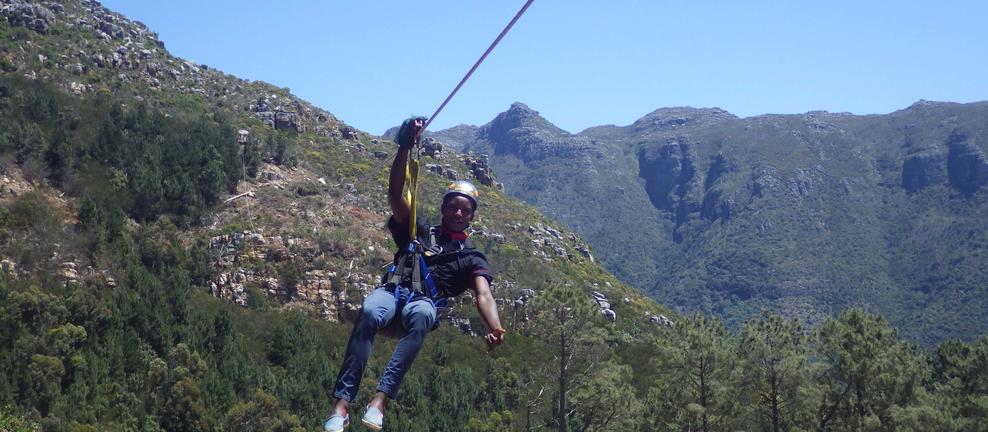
(800, 214)
(184, 250)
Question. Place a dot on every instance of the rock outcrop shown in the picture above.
(604, 305)
(31, 15)
(660, 320)
(967, 165)
(923, 169)
(480, 168)
(668, 171)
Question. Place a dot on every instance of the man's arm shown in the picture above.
(408, 137)
(400, 208)
(488, 311)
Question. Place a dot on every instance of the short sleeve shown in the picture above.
(480, 267)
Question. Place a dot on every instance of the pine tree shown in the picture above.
(960, 373)
(570, 325)
(775, 369)
(694, 389)
(867, 373)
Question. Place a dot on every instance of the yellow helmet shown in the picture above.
(462, 188)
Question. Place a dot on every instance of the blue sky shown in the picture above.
(584, 63)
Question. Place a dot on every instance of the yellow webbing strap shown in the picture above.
(412, 174)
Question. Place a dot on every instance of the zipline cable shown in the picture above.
(412, 165)
(479, 61)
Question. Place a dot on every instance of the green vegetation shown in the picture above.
(169, 357)
(108, 207)
(134, 161)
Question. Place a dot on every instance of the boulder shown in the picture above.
(480, 168)
(261, 105)
(266, 117)
(586, 253)
(115, 31)
(349, 133)
(98, 60)
(661, 320)
(433, 168)
(272, 174)
(31, 15)
(77, 89)
(431, 147)
(284, 120)
(69, 272)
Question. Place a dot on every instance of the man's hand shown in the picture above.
(494, 338)
(410, 132)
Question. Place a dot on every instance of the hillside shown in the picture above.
(185, 207)
(801, 214)
(183, 250)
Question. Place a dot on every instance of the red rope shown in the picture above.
(479, 61)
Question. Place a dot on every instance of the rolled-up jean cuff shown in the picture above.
(344, 396)
(392, 394)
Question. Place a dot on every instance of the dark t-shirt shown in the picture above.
(453, 272)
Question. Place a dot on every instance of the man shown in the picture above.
(408, 298)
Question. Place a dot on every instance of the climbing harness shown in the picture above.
(412, 267)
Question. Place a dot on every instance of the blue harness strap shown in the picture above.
(437, 300)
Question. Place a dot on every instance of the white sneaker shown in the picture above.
(373, 418)
(337, 423)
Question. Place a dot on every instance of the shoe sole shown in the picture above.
(374, 426)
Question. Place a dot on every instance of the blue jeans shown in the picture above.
(417, 316)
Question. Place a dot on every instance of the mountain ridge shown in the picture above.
(701, 169)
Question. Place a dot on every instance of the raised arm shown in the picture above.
(488, 311)
(396, 186)
(408, 137)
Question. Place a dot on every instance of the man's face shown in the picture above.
(457, 214)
